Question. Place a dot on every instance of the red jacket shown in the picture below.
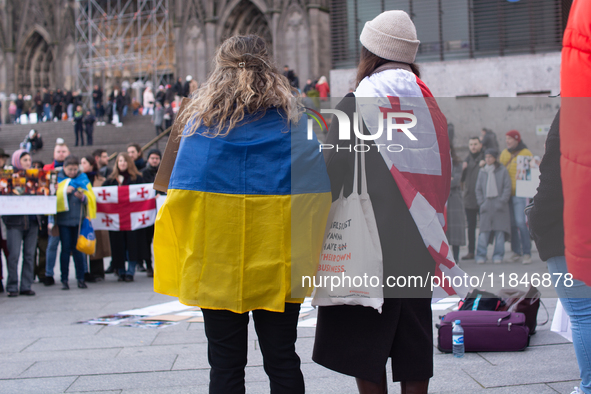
(575, 139)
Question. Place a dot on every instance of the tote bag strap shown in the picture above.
(363, 175)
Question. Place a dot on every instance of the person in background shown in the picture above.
(493, 190)
(135, 152)
(3, 247)
(489, 140)
(471, 167)
(125, 102)
(20, 103)
(21, 233)
(127, 246)
(456, 220)
(78, 191)
(187, 86)
(102, 161)
(193, 86)
(178, 87)
(38, 100)
(148, 102)
(47, 98)
(89, 120)
(69, 103)
(33, 141)
(168, 115)
(158, 118)
(79, 125)
(97, 98)
(40, 258)
(58, 102)
(60, 152)
(323, 89)
(135, 107)
(169, 96)
(149, 174)
(160, 95)
(291, 77)
(96, 271)
(309, 86)
(546, 222)
(100, 114)
(12, 112)
(520, 241)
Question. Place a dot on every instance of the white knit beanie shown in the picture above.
(391, 35)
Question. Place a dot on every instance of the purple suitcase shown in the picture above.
(485, 331)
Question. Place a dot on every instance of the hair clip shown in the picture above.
(241, 64)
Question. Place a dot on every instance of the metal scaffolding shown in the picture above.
(124, 39)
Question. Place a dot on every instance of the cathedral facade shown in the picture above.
(38, 38)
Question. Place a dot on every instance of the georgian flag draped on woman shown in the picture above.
(422, 170)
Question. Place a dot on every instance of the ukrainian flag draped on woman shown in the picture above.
(245, 215)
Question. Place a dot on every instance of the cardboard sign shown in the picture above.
(172, 147)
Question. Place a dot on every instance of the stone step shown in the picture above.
(135, 129)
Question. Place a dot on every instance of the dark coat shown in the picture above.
(546, 220)
(456, 216)
(469, 178)
(357, 340)
(127, 245)
(494, 212)
(489, 141)
(149, 173)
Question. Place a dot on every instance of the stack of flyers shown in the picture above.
(109, 320)
(148, 323)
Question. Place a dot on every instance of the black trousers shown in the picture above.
(227, 337)
(471, 217)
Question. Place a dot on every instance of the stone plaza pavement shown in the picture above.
(43, 351)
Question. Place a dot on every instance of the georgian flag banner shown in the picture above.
(422, 170)
(125, 208)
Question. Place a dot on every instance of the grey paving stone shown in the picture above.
(540, 364)
(91, 342)
(172, 390)
(67, 330)
(14, 346)
(142, 381)
(547, 337)
(175, 338)
(100, 366)
(62, 355)
(525, 389)
(565, 387)
(450, 373)
(14, 368)
(36, 386)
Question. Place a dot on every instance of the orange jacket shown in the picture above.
(575, 139)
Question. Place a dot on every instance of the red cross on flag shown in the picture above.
(125, 208)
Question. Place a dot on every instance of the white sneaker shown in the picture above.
(498, 261)
(526, 259)
(577, 391)
(515, 257)
(480, 261)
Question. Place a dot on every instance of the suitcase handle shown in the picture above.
(501, 319)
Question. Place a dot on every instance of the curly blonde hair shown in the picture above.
(244, 82)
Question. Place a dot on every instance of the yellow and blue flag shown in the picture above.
(81, 183)
(244, 217)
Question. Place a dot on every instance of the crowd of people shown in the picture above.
(484, 185)
(40, 235)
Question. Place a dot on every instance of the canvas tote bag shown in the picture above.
(350, 269)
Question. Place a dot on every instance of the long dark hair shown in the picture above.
(369, 62)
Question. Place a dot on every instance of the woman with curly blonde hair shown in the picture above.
(243, 221)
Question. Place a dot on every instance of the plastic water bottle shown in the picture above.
(457, 335)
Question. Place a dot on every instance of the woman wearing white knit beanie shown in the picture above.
(357, 340)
